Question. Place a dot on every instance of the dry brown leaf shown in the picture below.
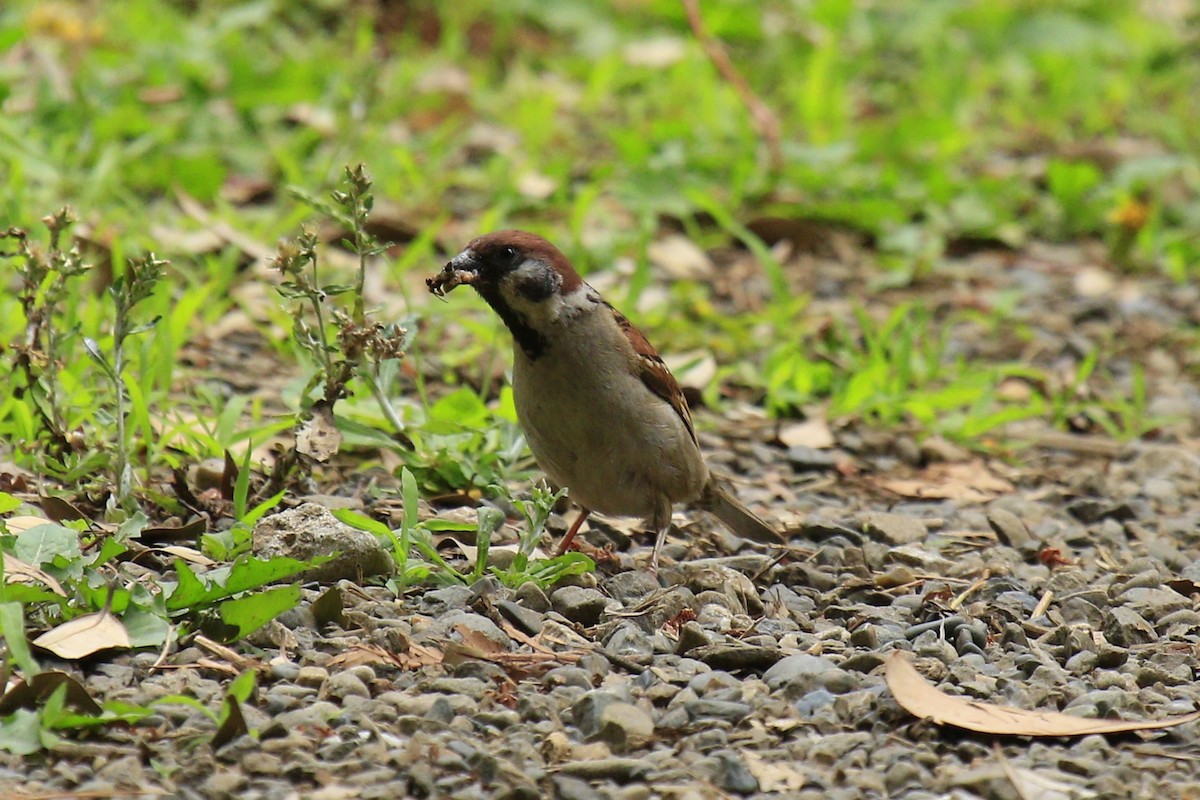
(17, 571)
(23, 522)
(813, 433)
(680, 258)
(189, 554)
(415, 657)
(922, 699)
(318, 437)
(773, 776)
(471, 553)
(36, 690)
(84, 635)
(473, 640)
(971, 481)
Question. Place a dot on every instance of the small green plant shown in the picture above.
(79, 574)
(137, 284)
(429, 565)
(237, 540)
(341, 344)
(44, 288)
(893, 371)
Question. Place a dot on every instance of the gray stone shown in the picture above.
(629, 588)
(740, 590)
(568, 676)
(725, 710)
(285, 670)
(805, 459)
(313, 676)
(436, 602)
(615, 768)
(341, 685)
(523, 619)
(624, 727)
(586, 711)
(1153, 603)
(839, 681)
(473, 688)
(729, 656)
(627, 639)
(569, 788)
(1126, 627)
(452, 625)
(800, 669)
(893, 528)
(580, 605)
(812, 703)
(732, 774)
(309, 531)
(1009, 528)
(531, 596)
(691, 636)
(666, 607)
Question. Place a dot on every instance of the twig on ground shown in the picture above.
(764, 119)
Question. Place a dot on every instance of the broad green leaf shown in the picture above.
(8, 503)
(189, 591)
(245, 574)
(365, 523)
(43, 543)
(12, 628)
(21, 732)
(243, 686)
(250, 613)
(145, 628)
(184, 700)
(109, 549)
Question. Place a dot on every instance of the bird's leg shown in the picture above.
(570, 537)
(661, 521)
(658, 543)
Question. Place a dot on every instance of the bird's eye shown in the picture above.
(509, 253)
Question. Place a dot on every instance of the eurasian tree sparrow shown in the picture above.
(603, 415)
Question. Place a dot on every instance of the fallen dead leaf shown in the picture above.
(971, 481)
(85, 635)
(658, 52)
(536, 186)
(680, 258)
(23, 522)
(17, 571)
(773, 776)
(813, 433)
(36, 690)
(189, 554)
(471, 553)
(922, 699)
(476, 641)
(318, 437)
(414, 657)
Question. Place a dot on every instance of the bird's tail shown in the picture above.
(740, 520)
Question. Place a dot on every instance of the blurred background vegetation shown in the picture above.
(892, 140)
(919, 123)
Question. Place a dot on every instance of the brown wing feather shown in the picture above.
(654, 372)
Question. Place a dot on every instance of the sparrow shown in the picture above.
(602, 414)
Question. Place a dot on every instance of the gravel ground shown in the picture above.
(1063, 578)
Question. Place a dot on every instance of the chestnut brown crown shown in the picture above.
(496, 254)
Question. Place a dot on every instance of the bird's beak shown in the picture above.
(462, 269)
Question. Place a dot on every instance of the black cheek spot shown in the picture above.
(539, 287)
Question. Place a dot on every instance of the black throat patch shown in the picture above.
(532, 343)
